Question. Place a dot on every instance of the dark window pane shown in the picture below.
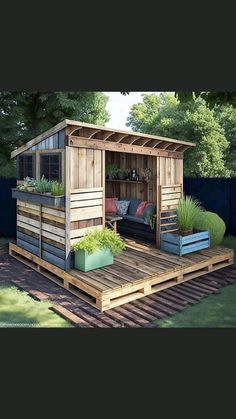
(25, 166)
(50, 166)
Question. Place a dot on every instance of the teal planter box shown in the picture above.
(85, 261)
(181, 245)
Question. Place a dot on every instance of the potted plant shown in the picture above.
(57, 188)
(96, 249)
(187, 210)
(122, 173)
(147, 175)
(28, 184)
(112, 171)
(186, 239)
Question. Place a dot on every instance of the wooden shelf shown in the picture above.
(126, 181)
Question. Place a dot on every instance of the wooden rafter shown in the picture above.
(91, 131)
(120, 147)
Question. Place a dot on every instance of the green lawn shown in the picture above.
(213, 311)
(18, 309)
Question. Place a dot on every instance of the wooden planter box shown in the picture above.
(87, 262)
(44, 199)
(181, 245)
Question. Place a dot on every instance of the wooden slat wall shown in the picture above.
(87, 186)
(144, 191)
(171, 171)
(42, 231)
(86, 207)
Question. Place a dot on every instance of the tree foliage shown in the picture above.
(192, 121)
(211, 98)
(24, 115)
(226, 117)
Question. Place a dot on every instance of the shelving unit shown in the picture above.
(126, 181)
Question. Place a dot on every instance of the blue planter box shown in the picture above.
(37, 198)
(87, 262)
(181, 245)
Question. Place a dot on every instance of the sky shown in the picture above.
(119, 107)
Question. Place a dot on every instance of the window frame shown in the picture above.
(33, 165)
(48, 153)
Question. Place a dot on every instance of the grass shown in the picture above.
(213, 311)
(18, 309)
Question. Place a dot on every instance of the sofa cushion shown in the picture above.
(134, 203)
(110, 206)
(133, 218)
(122, 207)
(149, 210)
(141, 208)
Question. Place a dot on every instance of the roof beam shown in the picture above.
(74, 141)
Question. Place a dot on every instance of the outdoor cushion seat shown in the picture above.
(136, 219)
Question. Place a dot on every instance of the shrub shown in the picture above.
(187, 210)
(210, 221)
(57, 188)
(99, 239)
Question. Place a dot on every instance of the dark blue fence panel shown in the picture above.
(216, 195)
(7, 208)
(233, 206)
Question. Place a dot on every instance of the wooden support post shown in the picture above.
(67, 208)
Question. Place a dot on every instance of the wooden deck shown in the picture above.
(136, 314)
(139, 271)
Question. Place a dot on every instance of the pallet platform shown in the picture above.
(139, 271)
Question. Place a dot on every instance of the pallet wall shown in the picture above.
(41, 231)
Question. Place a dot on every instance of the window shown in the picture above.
(50, 166)
(26, 166)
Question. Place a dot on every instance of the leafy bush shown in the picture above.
(57, 188)
(210, 221)
(99, 239)
(187, 210)
(43, 185)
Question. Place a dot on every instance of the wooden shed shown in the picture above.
(77, 155)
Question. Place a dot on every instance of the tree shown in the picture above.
(24, 115)
(211, 98)
(189, 122)
(226, 117)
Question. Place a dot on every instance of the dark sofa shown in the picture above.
(137, 226)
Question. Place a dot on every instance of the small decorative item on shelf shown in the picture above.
(134, 175)
(122, 173)
(147, 175)
(112, 171)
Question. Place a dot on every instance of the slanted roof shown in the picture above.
(96, 132)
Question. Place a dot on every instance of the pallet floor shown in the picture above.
(141, 270)
(136, 314)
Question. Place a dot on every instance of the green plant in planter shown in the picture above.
(112, 171)
(28, 184)
(123, 173)
(96, 249)
(43, 185)
(57, 188)
(187, 211)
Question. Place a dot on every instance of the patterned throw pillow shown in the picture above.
(141, 208)
(122, 207)
(110, 206)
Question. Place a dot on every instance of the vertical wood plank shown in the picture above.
(67, 206)
(37, 164)
(103, 167)
(97, 172)
(82, 168)
(89, 168)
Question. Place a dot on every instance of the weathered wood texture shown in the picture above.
(138, 313)
(139, 271)
(41, 231)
